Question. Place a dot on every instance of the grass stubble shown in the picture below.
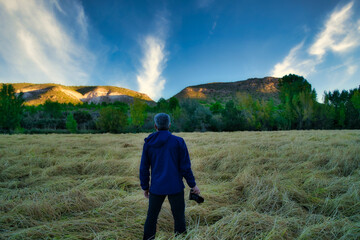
(256, 185)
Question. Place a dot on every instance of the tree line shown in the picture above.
(296, 108)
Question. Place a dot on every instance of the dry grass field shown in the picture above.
(256, 185)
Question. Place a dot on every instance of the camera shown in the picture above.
(196, 197)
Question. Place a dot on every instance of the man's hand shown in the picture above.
(195, 190)
(146, 193)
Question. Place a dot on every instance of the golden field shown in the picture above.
(256, 185)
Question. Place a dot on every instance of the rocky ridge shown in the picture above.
(35, 94)
(262, 88)
(259, 88)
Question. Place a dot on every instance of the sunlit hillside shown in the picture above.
(35, 94)
(259, 88)
(256, 185)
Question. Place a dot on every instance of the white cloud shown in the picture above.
(339, 35)
(57, 5)
(351, 70)
(82, 21)
(36, 47)
(293, 64)
(149, 78)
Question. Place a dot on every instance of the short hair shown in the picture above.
(162, 121)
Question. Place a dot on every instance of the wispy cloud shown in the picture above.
(153, 62)
(339, 35)
(211, 32)
(293, 63)
(204, 3)
(36, 47)
(149, 78)
(82, 21)
(351, 70)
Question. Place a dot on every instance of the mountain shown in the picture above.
(260, 88)
(35, 94)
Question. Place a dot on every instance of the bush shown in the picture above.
(194, 117)
(53, 108)
(11, 107)
(232, 117)
(112, 120)
(138, 113)
(71, 124)
(216, 107)
(82, 116)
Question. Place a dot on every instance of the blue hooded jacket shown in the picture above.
(168, 158)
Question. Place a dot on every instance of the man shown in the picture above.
(168, 158)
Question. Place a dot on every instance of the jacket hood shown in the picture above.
(157, 139)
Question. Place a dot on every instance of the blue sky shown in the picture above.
(160, 47)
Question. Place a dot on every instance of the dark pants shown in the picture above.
(177, 204)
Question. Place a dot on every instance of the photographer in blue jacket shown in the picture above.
(168, 158)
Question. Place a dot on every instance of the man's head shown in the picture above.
(162, 121)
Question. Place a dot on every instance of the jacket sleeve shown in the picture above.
(144, 169)
(185, 165)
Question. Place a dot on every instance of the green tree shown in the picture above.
(232, 117)
(323, 116)
(249, 109)
(355, 99)
(342, 116)
(176, 113)
(291, 85)
(112, 120)
(71, 123)
(265, 114)
(216, 108)
(194, 116)
(257, 114)
(288, 113)
(298, 100)
(343, 108)
(303, 108)
(162, 105)
(138, 113)
(173, 104)
(82, 116)
(307, 101)
(52, 108)
(11, 107)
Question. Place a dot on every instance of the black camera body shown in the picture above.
(196, 197)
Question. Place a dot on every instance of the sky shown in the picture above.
(161, 47)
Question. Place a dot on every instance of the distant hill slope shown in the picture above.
(36, 94)
(260, 88)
